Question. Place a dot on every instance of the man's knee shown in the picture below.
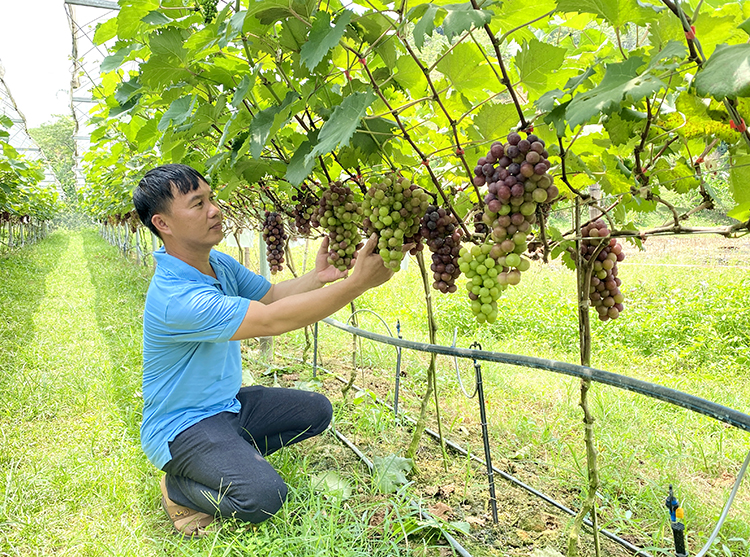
(321, 412)
(257, 502)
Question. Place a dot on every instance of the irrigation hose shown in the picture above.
(678, 398)
(728, 504)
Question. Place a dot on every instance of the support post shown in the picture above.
(485, 435)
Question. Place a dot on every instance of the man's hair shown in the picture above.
(154, 192)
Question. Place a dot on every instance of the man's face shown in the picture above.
(193, 218)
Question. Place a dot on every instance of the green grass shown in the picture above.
(76, 483)
(683, 327)
(74, 480)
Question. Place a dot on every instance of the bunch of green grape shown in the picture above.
(490, 270)
(393, 209)
(340, 215)
(208, 9)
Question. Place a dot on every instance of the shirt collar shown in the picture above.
(178, 267)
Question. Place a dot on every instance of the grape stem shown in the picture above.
(414, 146)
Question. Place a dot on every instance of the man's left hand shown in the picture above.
(325, 271)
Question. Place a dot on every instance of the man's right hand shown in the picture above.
(369, 269)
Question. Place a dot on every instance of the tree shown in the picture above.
(55, 138)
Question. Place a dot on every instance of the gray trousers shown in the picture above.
(217, 464)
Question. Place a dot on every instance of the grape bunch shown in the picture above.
(275, 238)
(208, 9)
(339, 215)
(304, 208)
(440, 231)
(517, 181)
(393, 209)
(490, 270)
(604, 288)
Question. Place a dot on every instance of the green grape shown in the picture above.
(393, 209)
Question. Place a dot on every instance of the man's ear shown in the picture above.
(161, 225)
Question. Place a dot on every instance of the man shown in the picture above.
(208, 434)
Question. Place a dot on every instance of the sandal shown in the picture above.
(187, 522)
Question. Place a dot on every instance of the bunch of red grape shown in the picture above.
(604, 288)
(516, 174)
(275, 237)
(304, 208)
(393, 209)
(339, 215)
(440, 230)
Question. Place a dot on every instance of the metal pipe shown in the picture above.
(398, 371)
(315, 350)
(696, 404)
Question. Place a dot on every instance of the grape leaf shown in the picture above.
(745, 26)
(260, 128)
(241, 90)
(159, 72)
(300, 167)
(457, 19)
(739, 182)
(372, 135)
(390, 472)
(461, 18)
(466, 68)
(673, 49)
(536, 61)
(323, 37)
(114, 61)
(178, 112)
(130, 16)
(105, 31)
(726, 73)
(409, 76)
(155, 18)
(620, 80)
(168, 42)
(675, 175)
(614, 12)
(126, 90)
(494, 120)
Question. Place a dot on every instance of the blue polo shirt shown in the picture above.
(191, 370)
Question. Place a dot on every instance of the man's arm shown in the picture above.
(298, 309)
(323, 273)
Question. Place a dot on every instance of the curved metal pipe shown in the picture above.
(696, 404)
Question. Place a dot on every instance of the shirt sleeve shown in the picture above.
(250, 285)
(204, 314)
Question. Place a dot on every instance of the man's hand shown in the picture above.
(369, 268)
(324, 271)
